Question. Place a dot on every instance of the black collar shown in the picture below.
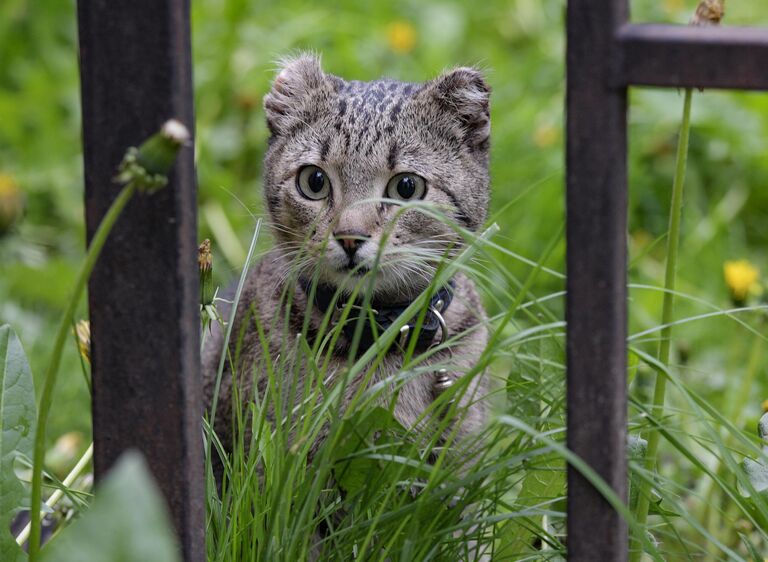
(385, 314)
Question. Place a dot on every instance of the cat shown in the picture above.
(342, 158)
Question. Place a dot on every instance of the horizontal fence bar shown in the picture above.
(679, 56)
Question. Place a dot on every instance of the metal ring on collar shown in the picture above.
(443, 326)
(404, 331)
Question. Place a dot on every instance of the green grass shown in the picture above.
(374, 488)
(717, 374)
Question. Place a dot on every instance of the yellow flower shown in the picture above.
(765, 405)
(401, 37)
(742, 279)
(83, 334)
(545, 135)
(11, 202)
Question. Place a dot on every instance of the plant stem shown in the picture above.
(673, 244)
(58, 494)
(105, 227)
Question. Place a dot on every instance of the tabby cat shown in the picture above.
(344, 158)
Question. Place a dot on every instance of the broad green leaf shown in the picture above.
(544, 481)
(17, 423)
(364, 430)
(127, 522)
(543, 487)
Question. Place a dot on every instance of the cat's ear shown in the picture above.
(465, 93)
(298, 79)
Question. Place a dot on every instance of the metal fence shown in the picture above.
(606, 54)
(136, 72)
(135, 63)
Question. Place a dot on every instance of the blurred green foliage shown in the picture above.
(519, 43)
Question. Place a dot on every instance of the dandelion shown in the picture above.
(205, 265)
(142, 169)
(401, 37)
(83, 335)
(709, 12)
(207, 294)
(742, 280)
(148, 165)
(11, 202)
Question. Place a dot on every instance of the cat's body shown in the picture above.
(336, 146)
(415, 397)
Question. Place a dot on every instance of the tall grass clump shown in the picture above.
(330, 474)
(305, 477)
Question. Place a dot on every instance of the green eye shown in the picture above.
(406, 187)
(313, 183)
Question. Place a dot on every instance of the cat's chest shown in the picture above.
(412, 389)
(384, 376)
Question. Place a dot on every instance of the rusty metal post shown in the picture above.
(135, 63)
(596, 311)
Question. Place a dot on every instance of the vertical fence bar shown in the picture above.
(596, 202)
(135, 64)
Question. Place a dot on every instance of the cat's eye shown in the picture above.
(313, 183)
(406, 187)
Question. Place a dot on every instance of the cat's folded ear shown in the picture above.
(299, 78)
(465, 93)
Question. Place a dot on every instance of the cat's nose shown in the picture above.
(350, 240)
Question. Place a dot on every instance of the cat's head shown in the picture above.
(339, 147)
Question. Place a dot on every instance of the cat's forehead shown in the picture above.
(376, 92)
(364, 121)
(364, 104)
